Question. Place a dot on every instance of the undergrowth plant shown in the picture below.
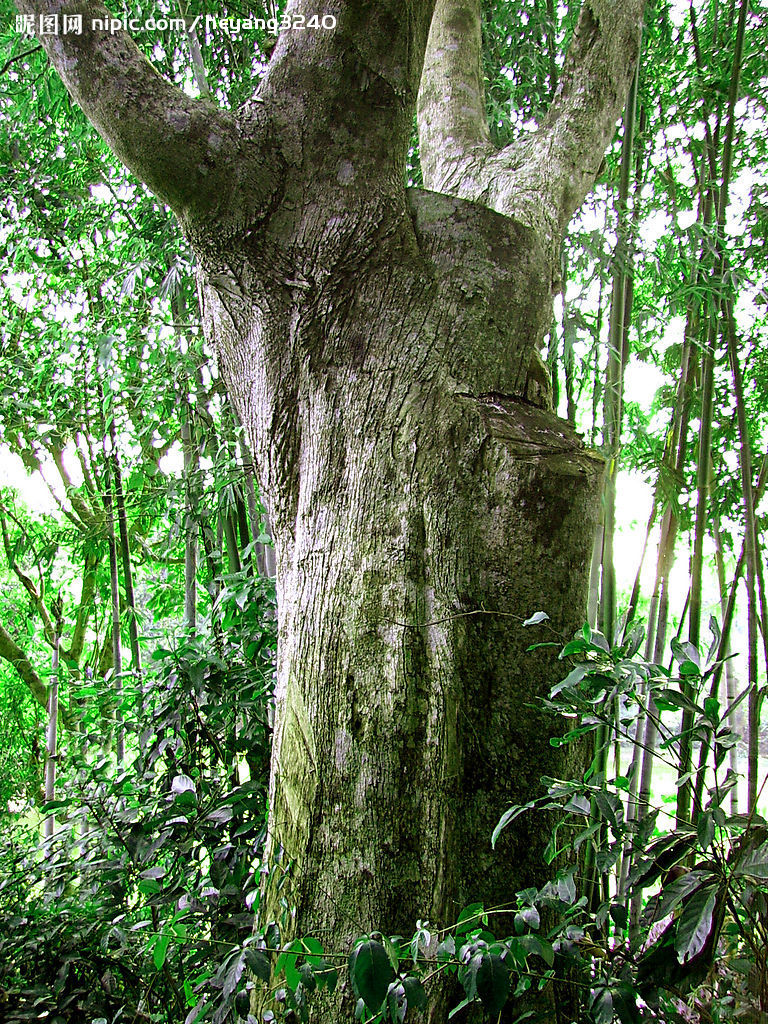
(150, 880)
(643, 918)
(143, 905)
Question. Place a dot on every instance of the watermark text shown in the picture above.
(74, 24)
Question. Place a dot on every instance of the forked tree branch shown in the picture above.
(541, 178)
(343, 92)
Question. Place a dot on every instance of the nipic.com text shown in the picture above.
(72, 24)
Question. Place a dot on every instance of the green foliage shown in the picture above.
(697, 951)
(371, 973)
(145, 897)
(713, 866)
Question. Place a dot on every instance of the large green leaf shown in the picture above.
(416, 997)
(695, 923)
(258, 963)
(371, 972)
(492, 980)
(754, 864)
(672, 895)
(624, 1003)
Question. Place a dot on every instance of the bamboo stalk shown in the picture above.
(51, 753)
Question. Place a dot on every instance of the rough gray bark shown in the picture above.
(378, 346)
(432, 509)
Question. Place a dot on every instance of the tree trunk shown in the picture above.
(381, 352)
(424, 507)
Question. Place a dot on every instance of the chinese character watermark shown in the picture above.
(49, 24)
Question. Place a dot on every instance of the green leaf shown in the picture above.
(619, 914)
(257, 963)
(712, 709)
(599, 642)
(625, 1004)
(566, 887)
(199, 1012)
(527, 918)
(395, 1008)
(578, 804)
(242, 1003)
(602, 1006)
(160, 950)
(667, 699)
(509, 815)
(416, 997)
(326, 976)
(686, 653)
(149, 886)
(371, 972)
(672, 895)
(705, 829)
(578, 646)
(492, 982)
(313, 951)
(695, 923)
(287, 963)
(308, 979)
(470, 918)
(754, 864)
(392, 953)
(538, 947)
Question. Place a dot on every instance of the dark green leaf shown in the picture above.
(672, 895)
(695, 923)
(538, 947)
(754, 863)
(625, 1004)
(705, 829)
(492, 981)
(308, 979)
(371, 973)
(527, 918)
(602, 1006)
(257, 963)
(415, 995)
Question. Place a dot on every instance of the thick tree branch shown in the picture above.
(452, 118)
(541, 178)
(350, 91)
(187, 151)
(590, 97)
(11, 652)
